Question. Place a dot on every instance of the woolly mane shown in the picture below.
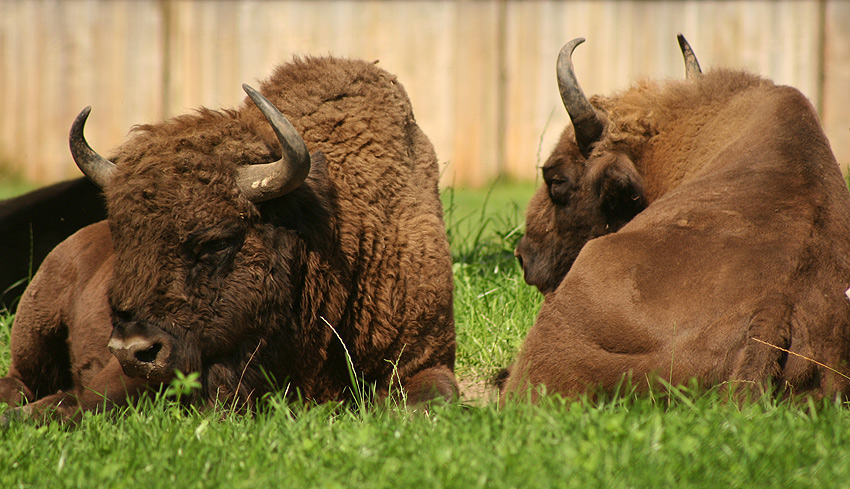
(679, 108)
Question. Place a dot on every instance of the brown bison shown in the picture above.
(695, 229)
(34, 223)
(231, 251)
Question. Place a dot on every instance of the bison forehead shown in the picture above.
(211, 142)
(168, 188)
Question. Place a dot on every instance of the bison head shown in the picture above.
(592, 186)
(581, 199)
(200, 265)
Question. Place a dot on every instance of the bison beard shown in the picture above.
(215, 260)
(688, 230)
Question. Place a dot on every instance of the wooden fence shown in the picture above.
(480, 73)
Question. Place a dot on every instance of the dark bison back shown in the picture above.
(34, 223)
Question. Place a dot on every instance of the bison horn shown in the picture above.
(692, 69)
(97, 168)
(271, 180)
(586, 123)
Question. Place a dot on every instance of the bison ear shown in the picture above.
(318, 166)
(618, 186)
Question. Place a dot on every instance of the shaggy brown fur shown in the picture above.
(254, 295)
(709, 219)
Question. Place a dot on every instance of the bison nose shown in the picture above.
(138, 350)
(518, 256)
(141, 357)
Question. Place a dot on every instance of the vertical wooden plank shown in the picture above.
(14, 51)
(535, 115)
(66, 55)
(836, 89)
(125, 60)
(475, 153)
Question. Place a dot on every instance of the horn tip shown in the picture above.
(576, 41)
(570, 46)
(257, 97)
(80, 120)
(248, 89)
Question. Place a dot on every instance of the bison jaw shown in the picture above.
(144, 351)
(534, 270)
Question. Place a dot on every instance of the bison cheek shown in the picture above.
(533, 268)
(546, 262)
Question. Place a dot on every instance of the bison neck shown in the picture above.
(722, 122)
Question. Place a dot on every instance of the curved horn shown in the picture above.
(271, 180)
(692, 68)
(586, 123)
(97, 168)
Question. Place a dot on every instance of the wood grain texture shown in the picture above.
(480, 73)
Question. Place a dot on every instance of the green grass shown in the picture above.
(12, 186)
(684, 439)
(693, 442)
(493, 306)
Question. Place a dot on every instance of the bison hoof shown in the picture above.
(432, 384)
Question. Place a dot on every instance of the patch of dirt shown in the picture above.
(478, 392)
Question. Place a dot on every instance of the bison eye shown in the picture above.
(215, 246)
(559, 191)
(220, 245)
(217, 251)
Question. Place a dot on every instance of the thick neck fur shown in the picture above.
(663, 125)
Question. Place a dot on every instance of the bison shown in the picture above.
(233, 251)
(34, 223)
(688, 230)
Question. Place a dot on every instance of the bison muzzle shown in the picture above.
(144, 350)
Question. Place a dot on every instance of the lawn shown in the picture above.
(11, 187)
(684, 439)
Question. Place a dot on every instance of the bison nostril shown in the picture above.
(519, 258)
(149, 355)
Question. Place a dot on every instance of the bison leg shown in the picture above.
(431, 383)
(40, 357)
(762, 359)
(14, 392)
(108, 389)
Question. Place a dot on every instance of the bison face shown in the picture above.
(183, 285)
(192, 260)
(207, 216)
(581, 200)
(203, 275)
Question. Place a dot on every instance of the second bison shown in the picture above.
(695, 229)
